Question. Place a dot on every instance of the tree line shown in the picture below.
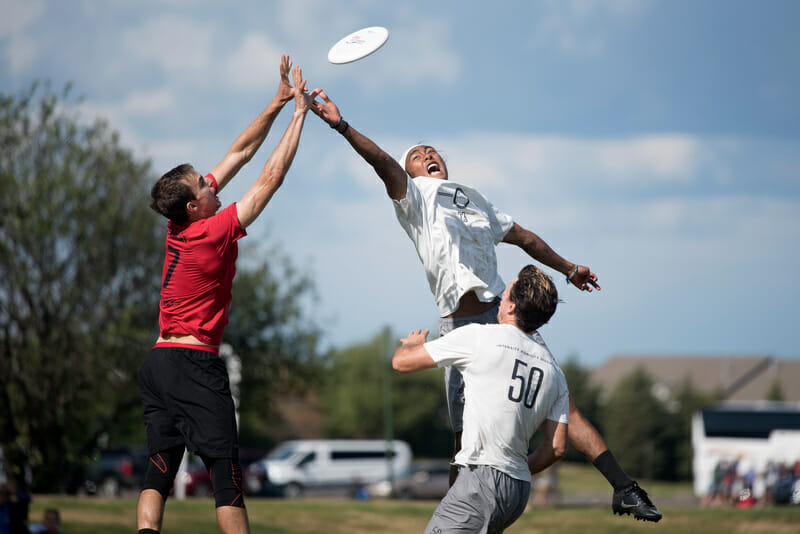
(80, 266)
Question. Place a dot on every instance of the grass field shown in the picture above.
(334, 516)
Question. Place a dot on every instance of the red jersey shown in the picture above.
(198, 275)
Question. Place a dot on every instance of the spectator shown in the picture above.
(13, 510)
(51, 523)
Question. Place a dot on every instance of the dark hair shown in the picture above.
(53, 511)
(535, 296)
(171, 193)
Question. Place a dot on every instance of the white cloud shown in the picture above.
(21, 49)
(148, 103)
(530, 162)
(178, 45)
(254, 65)
(659, 157)
(420, 52)
(581, 28)
(18, 15)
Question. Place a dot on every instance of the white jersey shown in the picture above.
(455, 230)
(512, 384)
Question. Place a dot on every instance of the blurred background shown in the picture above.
(657, 142)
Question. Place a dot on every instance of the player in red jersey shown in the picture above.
(183, 382)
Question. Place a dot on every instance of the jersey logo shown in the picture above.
(460, 199)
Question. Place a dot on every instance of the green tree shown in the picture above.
(586, 396)
(81, 256)
(775, 392)
(78, 252)
(639, 429)
(688, 401)
(353, 400)
(272, 331)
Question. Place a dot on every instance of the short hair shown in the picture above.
(171, 193)
(535, 296)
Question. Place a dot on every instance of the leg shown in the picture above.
(454, 387)
(628, 496)
(150, 510)
(158, 478)
(454, 382)
(232, 520)
(226, 480)
(583, 436)
(454, 468)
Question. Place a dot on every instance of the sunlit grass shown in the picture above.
(333, 516)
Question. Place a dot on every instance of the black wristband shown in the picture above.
(338, 124)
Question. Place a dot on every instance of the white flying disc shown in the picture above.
(358, 45)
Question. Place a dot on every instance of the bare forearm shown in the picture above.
(278, 164)
(543, 457)
(249, 141)
(536, 248)
(541, 252)
(271, 177)
(551, 449)
(412, 355)
(247, 144)
(387, 169)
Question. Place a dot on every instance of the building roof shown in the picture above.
(737, 378)
(757, 420)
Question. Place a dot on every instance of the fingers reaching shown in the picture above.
(285, 67)
(297, 75)
(584, 279)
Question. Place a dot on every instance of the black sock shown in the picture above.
(147, 531)
(607, 464)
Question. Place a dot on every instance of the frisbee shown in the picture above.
(358, 45)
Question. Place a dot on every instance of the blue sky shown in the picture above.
(656, 141)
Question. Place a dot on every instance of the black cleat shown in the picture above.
(634, 499)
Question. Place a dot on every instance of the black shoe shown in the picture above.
(634, 499)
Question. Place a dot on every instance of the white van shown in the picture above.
(295, 467)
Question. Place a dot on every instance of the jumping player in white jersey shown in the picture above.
(455, 230)
(513, 387)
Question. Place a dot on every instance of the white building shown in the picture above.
(750, 433)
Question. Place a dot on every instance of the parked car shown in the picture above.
(296, 467)
(425, 479)
(115, 472)
(196, 478)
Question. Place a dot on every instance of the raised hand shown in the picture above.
(584, 279)
(301, 99)
(284, 87)
(416, 337)
(326, 111)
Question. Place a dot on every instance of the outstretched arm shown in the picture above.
(388, 170)
(581, 276)
(247, 144)
(551, 449)
(412, 355)
(271, 178)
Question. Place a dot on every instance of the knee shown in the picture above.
(161, 470)
(226, 479)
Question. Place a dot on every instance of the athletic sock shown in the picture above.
(607, 464)
(147, 531)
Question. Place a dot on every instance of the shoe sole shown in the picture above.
(637, 517)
